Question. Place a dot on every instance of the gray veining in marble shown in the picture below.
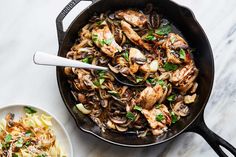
(29, 25)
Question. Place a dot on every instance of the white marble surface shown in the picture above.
(29, 25)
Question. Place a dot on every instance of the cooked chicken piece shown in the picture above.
(133, 17)
(158, 126)
(173, 44)
(188, 99)
(180, 109)
(149, 96)
(133, 36)
(174, 41)
(135, 58)
(172, 58)
(194, 88)
(184, 78)
(104, 39)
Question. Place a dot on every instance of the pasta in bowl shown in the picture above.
(26, 131)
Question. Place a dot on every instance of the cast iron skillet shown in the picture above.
(185, 21)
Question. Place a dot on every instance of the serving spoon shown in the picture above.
(42, 58)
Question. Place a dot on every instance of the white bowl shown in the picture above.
(60, 132)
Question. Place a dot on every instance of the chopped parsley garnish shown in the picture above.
(8, 138)
(19, 143)
(95, 37)
(138, 108)
(28, 133)
(170, 67)
(126, 55)
(114, 93)
(14, 155)
(130, 116)
(182, 54)
(86, 60)
(139, 79)
(163, 30)
(160, 82)
(99, 22)
(174, 117)
(172, 39)
(171, 97)
(160, 117)
(158, 105)
(29, 110)
(150, 37)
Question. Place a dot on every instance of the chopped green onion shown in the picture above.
(160, 117)
(182, 54)
(8, 138)
(170, 67)
(174, 117)
(29, 110)
(163, 30)
(126, 55)
(96, 83)
(138, 108)
(171, 97)
(130, 116)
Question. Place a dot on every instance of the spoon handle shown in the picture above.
(42, 58)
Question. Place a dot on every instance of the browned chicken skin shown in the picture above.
(133, 36)
(133, 17)
(158, 127)
(104, 39)
(149, 96)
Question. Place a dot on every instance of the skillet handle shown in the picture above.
(215, 141)
(62, 15)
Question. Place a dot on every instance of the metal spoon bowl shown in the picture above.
(42, 58)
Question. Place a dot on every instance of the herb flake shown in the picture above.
(171, 97)
(29, 110)
(163, 30)
(138, 108)
(182, 54)
(126, 55)
(130, 116)
(170, 67)
(174, 117)
(160, 117)
(8, 138)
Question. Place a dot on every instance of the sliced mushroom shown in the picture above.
(121, 129)
(188, 99)
(180, 109)
(110, 124)
(118, 119)
(194, 88)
